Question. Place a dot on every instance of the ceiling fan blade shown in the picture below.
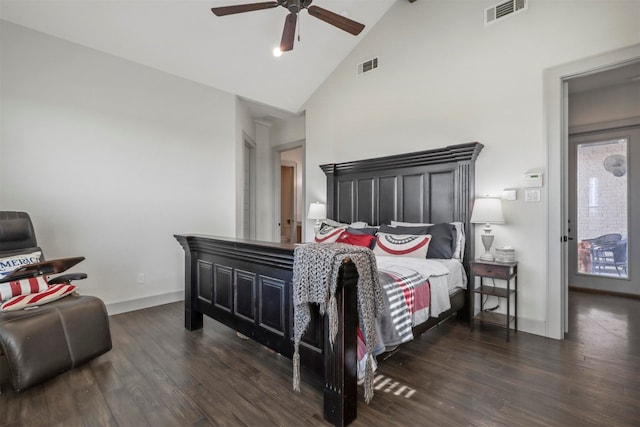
(240, 8)
(289, 32)
(346, 24)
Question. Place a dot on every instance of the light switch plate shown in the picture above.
(532, 195)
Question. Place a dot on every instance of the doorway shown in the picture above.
(557, 126)
(601, 169)
(288, 191)
(287, 202)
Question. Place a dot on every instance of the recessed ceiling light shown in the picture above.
(277, 52)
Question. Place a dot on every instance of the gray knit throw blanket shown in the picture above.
(315, 279)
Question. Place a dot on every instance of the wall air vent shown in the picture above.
(504, 9)
(367, 66)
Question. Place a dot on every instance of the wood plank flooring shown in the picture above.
(159, 374)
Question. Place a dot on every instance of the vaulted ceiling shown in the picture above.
(182, 37)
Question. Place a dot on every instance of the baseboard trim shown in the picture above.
(603, 292)
(144, 302)
(532, 326)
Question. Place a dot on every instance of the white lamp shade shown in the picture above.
(317, 211)
(487, 211)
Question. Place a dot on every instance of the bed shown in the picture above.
(247, 285)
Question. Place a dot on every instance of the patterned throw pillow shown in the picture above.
(329, 233)
(7, 265)
(409, 245)
(32, 285)
(52, 293)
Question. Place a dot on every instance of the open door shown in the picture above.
(287, 210)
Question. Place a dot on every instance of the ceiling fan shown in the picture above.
(294, 6)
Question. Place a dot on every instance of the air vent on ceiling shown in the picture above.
(367, 66)
(504, 9)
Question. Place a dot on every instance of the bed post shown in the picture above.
(341, 370)
(193, 319)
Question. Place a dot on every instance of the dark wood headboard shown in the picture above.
(430, 186)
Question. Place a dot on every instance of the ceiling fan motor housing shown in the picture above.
(295, 6)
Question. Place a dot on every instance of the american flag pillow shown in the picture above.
(28, 286)
(52, 293)
(402, 245)
(8, 264)
(328, 233)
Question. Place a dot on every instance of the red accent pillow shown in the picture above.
(356, 239)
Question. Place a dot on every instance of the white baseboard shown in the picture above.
(145, 302)
(532, 326)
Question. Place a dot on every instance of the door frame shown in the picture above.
(555, 99)
(249, 148)
(275, 153)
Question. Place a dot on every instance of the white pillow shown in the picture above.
(8, 264)
(358, 224)
(458, 252)
(409, 245)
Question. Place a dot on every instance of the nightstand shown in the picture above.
(506, 271)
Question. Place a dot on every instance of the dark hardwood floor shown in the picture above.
(159, 374)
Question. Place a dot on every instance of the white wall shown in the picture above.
(111, 159)
(445, 78)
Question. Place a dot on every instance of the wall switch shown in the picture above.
(140, 278)
(532, 195)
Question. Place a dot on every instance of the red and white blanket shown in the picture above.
(413, 290)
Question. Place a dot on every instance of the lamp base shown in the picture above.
(487, 256)
(487, 241)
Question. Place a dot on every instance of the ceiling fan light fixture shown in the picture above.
(294, 7)
(277, 52)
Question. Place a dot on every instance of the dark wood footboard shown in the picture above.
(246, 285)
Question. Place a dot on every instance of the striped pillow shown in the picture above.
(51, 294)
(28, 286)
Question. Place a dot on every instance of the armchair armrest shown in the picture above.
(66, 278)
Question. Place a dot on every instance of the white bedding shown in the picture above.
(457, 277)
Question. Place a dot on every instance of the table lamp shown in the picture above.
(317, 211)
(487, 211)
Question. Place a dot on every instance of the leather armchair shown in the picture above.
(40, 343)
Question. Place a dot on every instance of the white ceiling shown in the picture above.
(182, 37)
